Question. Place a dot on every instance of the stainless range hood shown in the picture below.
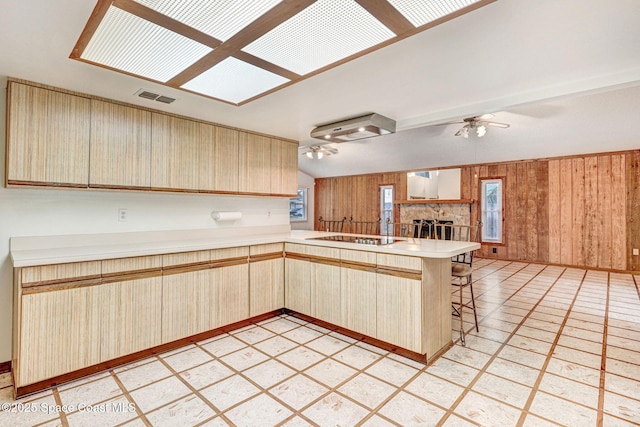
(361, 127)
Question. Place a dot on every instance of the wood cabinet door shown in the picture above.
(47, 137)
(298, 285)
(189, 304)
(326, 294)
(266, 286)
(232, 294)
(120, 154)
(284, 167)
(359, 300)
(130, 316)
(59, 334)
(255, 163)
(225, 160)
(399, 312)
(177, 147)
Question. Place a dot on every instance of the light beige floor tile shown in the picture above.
(224, 346)
(624, 333)
(574, 371)
(297, 421)
(137, 422)
(229, 392)
(588, 326)
(490, 333)
(538, 334)
(514, 371)
(253, 335)
(342, 337)
(259, 411)
(367, 390)
(298, 391)
(300, 358)
(330, 372)
(576, 356)
(622, 406)
(482, 344)
(269, 373)
(542, 325)
(391, 371)
(455, 421)
(525, 357)
(535, 421)
(5, 380)
(302, 335)
(486, 411)
(624, 354)
(327, 345)
(408, 410)
(187, 359)
(622, 385)
(90, 393)
(622, 342)
(569, 390)
(41, 410)
(562, 411)
(583, 334)
(356, 357)
(407, 361)
(189, 410)
(580, 344)
(279, 325)
(531, 344)
(611, 421)
(276, 345)
(372, 348)
(377, 421)
(244, 359)
(453, 371)
(467, 356)
(178, 350)
(142, 375)
(335, 410)
(84, 380)
(216, 422)
(618, 367)
(206, 374)
(503, 390)
(158, 394)
(110, 413)
(435, 389)
(6, 396)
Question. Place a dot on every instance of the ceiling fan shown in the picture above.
(318, 151)
(476, 123)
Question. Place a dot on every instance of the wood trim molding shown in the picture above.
(5, 367)
(402, 273)
(388, 15)
(113, 363)
(372, 268)
(266, 257)
(323, 260)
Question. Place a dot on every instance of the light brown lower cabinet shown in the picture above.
(359, 300)
(399, 312)
(326, 292)
(266, 278)
(298, 285)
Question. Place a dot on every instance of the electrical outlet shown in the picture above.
(123, 214)
(635, 251)
(494, 250)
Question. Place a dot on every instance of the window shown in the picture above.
(491, 205)
(386, 206)
(298, 206)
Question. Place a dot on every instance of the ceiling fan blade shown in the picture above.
(484, 116)
(448, 123)
(497, 124)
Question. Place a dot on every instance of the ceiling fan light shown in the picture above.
(310, 154)
(320, 154)
(465, 132)
(481, 131)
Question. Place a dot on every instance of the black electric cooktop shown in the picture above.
(377, 241)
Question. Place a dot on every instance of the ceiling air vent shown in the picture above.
(357, 128)
(154, 96)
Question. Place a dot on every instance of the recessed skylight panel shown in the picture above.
(218, 18)
(234, 81)
(134, 45)
(323, 33)
(423, 12)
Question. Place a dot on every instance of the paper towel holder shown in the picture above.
(226, 216)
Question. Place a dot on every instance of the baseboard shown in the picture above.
(5, 367)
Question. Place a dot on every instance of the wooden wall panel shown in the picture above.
(554, 211)
(581, 211)
(633, 209)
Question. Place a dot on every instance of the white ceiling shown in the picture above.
(564, 73)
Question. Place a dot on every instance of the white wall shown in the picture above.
(308, 182)
(31, 212)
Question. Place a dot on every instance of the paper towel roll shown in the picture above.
(226, 216)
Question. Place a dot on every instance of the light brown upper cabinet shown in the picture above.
(284, 167)
(120, 146)
(48, 137)
(176, 151)
(255, 163)
(226, 159)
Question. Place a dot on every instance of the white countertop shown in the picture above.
(45, 250)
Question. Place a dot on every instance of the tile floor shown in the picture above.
(557, 346)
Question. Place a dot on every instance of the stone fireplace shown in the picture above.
(459, 213)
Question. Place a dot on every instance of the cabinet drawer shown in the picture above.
(265, 249)
(227, 253)
(362, 257)
(399, 261)
(113, 267)
(186, 258)
(60, 272)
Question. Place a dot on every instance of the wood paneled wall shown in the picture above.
(356, 196)
(581, 211)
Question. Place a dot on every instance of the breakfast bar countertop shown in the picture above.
(46, 250)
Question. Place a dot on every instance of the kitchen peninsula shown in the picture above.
(87, 303)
